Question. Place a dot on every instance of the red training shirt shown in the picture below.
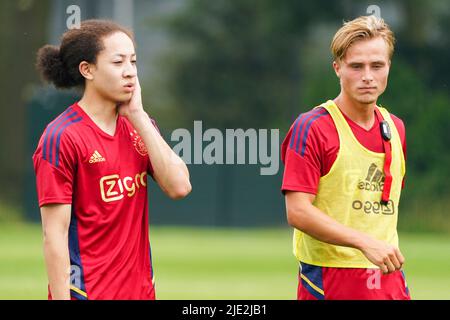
(104, 178)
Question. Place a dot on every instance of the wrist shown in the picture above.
(361, 241)
(137, 117)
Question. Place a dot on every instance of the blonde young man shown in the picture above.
(344, 169)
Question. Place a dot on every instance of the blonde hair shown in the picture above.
(362, 28)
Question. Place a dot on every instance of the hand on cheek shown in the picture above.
(134, 105)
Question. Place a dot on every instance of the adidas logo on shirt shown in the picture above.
(374, 180)
(96, 157)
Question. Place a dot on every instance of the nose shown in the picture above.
(130, 70)
(367, 75)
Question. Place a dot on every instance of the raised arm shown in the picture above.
(169, 170)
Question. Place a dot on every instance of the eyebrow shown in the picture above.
(358, 63)
(373, 62)
(123, 55)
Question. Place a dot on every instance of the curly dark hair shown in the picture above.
(59, 65)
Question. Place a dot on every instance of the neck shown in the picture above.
(360, 113)
(101, 111)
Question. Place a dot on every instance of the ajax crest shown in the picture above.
(138, 143)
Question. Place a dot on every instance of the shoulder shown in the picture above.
(310, 126)
(60, 136)
(400, 126)
(398, 122)
(66, 125)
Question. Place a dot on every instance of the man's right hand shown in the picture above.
(387, 257)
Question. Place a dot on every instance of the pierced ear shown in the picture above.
(85, 69)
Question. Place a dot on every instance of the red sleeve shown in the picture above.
(301, 154)
(401, 131)
(54, 170)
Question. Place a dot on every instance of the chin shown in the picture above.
(366, 100)
(123, 98)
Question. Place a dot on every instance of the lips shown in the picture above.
(129, 87)
(367, 88)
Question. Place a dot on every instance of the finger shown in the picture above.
(138, 85)
(395, 261)
(389, 265)
(399, 256)
(138, 91)
(383, 268)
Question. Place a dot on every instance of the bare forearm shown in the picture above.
(320, 226)
(169, 170)
(58, 267)
(303, 215)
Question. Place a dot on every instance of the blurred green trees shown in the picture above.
(23, 28)
(261, 63)
(236, 63)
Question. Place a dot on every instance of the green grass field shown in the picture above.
(195, 263)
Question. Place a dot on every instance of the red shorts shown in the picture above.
(75, 296)
(322, 283)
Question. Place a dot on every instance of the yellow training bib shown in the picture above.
(350, 193)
